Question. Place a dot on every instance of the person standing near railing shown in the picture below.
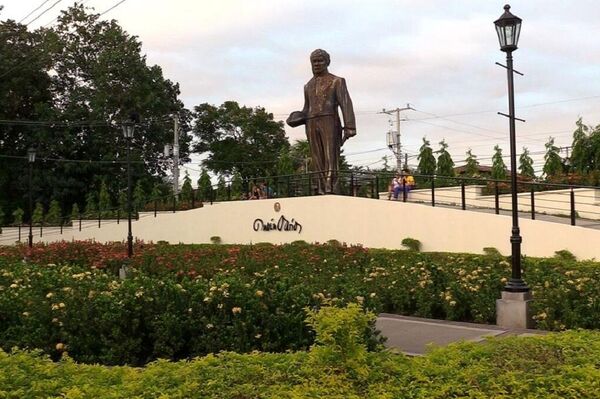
(408, 181)
(396, 186)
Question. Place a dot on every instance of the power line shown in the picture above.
(34, 10)
(56, 18)
(113, 7)
(43, 12)
(521, 107)
(89, 161)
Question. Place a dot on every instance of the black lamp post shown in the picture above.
(30, 160)
(128, 129)
(508, 27)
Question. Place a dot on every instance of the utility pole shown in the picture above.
(175, 154)
(393, 139)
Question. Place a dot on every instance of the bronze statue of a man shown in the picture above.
(323, 94)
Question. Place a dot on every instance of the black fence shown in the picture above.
(430, 190)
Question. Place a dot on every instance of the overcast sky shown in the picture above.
(436, 55)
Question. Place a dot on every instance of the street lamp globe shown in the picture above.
(128, 128)
(508, 28)
(31, 155)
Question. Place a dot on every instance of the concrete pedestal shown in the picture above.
(513, 310)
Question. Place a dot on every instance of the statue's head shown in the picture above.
(319, 60)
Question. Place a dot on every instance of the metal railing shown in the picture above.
(535, 197)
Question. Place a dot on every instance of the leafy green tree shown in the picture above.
(285, 164)
(221, 188)
(204, 186)
(25, 93)
(237, 186)
(156, 192)
(471, 164)
(386, 164)
(427, 164)
(526, 164)
(186, 188)
(300, 154)
(123, 200)
(104, 203)
(38, 214)
(582, 155)
(499, 171)
(83, 68)
(75, 213)
(90, 204)
(445, 164)
(238, 138)
(54, 215)
(139, 197)
(553, 163)
(18, 216)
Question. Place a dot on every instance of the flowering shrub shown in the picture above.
(188, 300)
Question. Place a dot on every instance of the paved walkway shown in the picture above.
(412, 335)
(588, 223)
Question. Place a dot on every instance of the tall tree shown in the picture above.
(237, 186)
(499, 171)
(445, 164)
(552, 161)
(526, 164)
(90, 203)
(285, 164)
(18, 216)
(186, 188)
(221, 188)
(238, 138)
(25, 94)
(581, 154)
(300, 154)
(54, 215)
(471, 164)
(38, 214)
(205, 186)
(426, 159)
(139, 197)
(104, 203)
(98, 77)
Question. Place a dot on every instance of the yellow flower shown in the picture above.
(236, 310)
(60, 347)
(49, 295)
(372, 295)
(259, 293)
(26, 314)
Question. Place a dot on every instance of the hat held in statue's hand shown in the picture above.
(296, 118)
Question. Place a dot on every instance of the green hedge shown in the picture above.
(561, 365)
(189, 300)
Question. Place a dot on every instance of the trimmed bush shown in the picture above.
(557, 366)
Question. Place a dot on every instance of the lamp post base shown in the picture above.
(513, 310)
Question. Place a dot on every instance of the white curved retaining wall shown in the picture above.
(376, 224)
